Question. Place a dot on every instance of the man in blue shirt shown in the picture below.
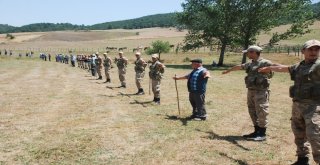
(197, 81)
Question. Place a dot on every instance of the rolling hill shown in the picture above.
(157, 20)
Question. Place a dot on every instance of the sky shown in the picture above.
(87, 12)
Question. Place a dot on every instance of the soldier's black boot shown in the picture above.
(157, 101)
(140, 92)
(100, 78)
(261, 135)
(302, 161)
(108, 80)
(253, 134)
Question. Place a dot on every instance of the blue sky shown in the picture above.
(88, 12)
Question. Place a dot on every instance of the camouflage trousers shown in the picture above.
(139, 78)
(305, 124)
(156, 87)
(122, 74)
(107, 72)
(258, 106)
(99, 69)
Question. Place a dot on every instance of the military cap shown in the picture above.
(155, 56)
(311, 43)
(120, 52)
(138, 53)
(105, 53)
(97, 52)
(197, 60)
(254, 48)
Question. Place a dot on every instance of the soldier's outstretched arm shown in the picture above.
(237, 67)
(274, 68)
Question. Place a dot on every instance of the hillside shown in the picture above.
(157, 20)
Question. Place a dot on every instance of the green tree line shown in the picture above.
(157, 20)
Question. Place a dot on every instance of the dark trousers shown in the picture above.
(197, 101)
(93, 70)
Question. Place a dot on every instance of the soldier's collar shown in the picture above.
(259, 59)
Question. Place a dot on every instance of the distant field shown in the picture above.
(93, 41)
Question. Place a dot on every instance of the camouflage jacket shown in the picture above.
(107, 62)
(156, 72)
(140, 65)
(121, 63)
(254, 79)
(306, 77)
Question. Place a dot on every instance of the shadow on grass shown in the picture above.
(125, 94)
(240, 162)
(184, 121)
(210, 67)
(110, 87)
(143, 103)
(102, 95)
(231, 139)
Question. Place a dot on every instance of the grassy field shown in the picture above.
(52, 113)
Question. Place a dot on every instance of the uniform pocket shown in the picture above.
(316, 115)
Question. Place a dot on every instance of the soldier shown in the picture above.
(122, 68)
(107, 62)
(99, 66)
(93, 65)
(305, 94)
(87, 62)
(197, 82)
(139, 68)
(155, 74)
(258, 91)
(49, 56)
(66, 59)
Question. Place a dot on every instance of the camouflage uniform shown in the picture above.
(99, 67)
(155, 75)
(107, 67)
(305, 121)
(122, 68)
(258, 93)
(139, 68)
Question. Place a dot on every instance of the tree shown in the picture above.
(159, 47)
(10, 36)
(239, 22)
(262, 15)
(208, 22)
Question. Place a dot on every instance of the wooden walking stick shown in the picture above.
(175, 80)
(149, 86)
